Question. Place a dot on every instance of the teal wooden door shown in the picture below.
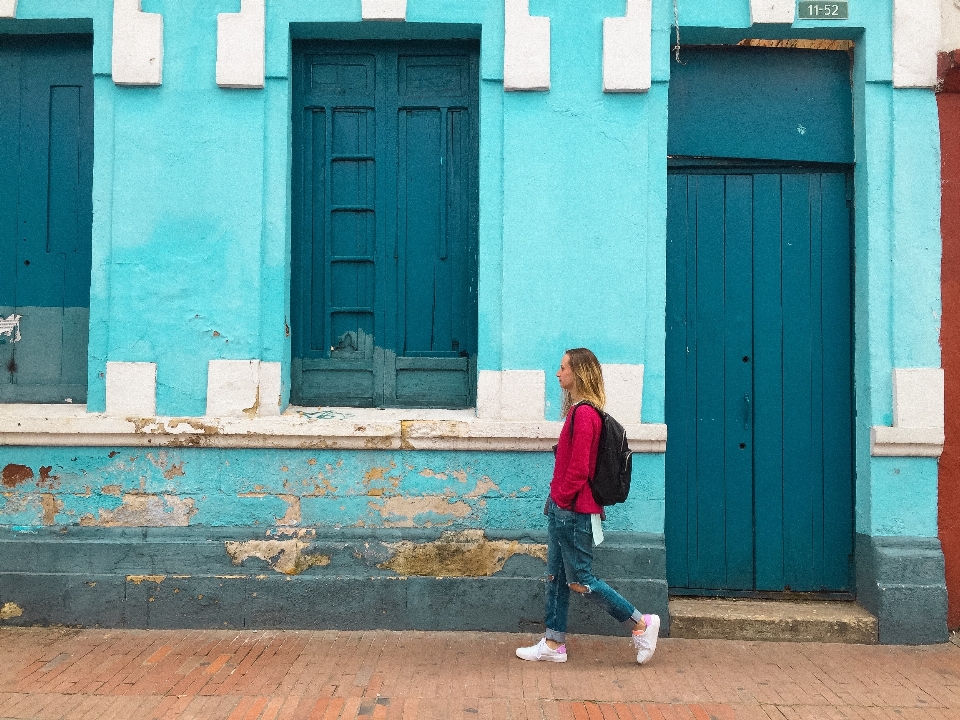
(384, 278)
(759, 482)
(46, 216)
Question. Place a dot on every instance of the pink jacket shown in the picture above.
(575, 461)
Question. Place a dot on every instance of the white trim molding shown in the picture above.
(773, 12)
(243, 388)
(626, 49)
(526, 48)
(916, 41)
(8, 8)
(297, 428)
(137, 45)
(917, 416)
(131, 389)
(241, 41)
(383, 9)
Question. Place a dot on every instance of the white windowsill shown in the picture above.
(310, 428)
(888, 441)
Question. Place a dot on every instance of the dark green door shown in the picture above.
(384, 279)
(46, 216)
(759, 380)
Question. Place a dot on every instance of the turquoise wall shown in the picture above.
(179, 487)
(192, 220)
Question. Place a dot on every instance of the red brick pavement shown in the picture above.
(66, 674)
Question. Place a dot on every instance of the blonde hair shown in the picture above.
(588, 377)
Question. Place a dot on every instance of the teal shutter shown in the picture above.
(383, 289)
(46, 215)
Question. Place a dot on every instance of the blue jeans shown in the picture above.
(570, 560)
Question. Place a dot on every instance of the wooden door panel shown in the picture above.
(759, 381)
(769, 407)
(46, 214)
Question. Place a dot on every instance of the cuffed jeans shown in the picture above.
(570, 560)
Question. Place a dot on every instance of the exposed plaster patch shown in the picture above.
(403, 511)
(169, 469)
(292, 516)
(114, 490)
(51, 506)
(10, 610)
(405, 443)
(284, 556)
(427, 472)
(14, 475)
(466, 553)
(378, 473)
(291, 532)
(139, 510)
(137, 579)
(10, 326)
(484, 485)
(254, 410)
(460, 475)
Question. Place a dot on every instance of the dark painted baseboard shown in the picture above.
(186, 578)
(901, 581)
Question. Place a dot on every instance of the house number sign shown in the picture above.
(811, 10)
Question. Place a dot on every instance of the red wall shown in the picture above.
(948, 100)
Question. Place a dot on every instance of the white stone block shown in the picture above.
(523, 395)
(137, 45)
(949, 25)
(270, 389)
(918, 398)
(232, 387)
(626, 49)
(384, 9)
(132, 389)
(488, 394)
(624, 387)
(916, 39)
(511, 395)
(241, 39)
(764, 12)
(8, 8)
(526, 48)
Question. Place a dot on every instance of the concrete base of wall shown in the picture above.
(901, 581)
(340, 579)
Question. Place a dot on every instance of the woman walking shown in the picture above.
(569, 509)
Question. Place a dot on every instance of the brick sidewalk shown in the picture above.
(52, 673)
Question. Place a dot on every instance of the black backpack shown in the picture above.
(610, 483)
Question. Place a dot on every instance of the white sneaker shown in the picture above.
(542, 651)
(646, 642)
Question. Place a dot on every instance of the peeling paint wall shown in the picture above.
(133, 487)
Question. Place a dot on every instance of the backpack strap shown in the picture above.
(573, 413)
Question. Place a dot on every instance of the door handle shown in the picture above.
(746, 412)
